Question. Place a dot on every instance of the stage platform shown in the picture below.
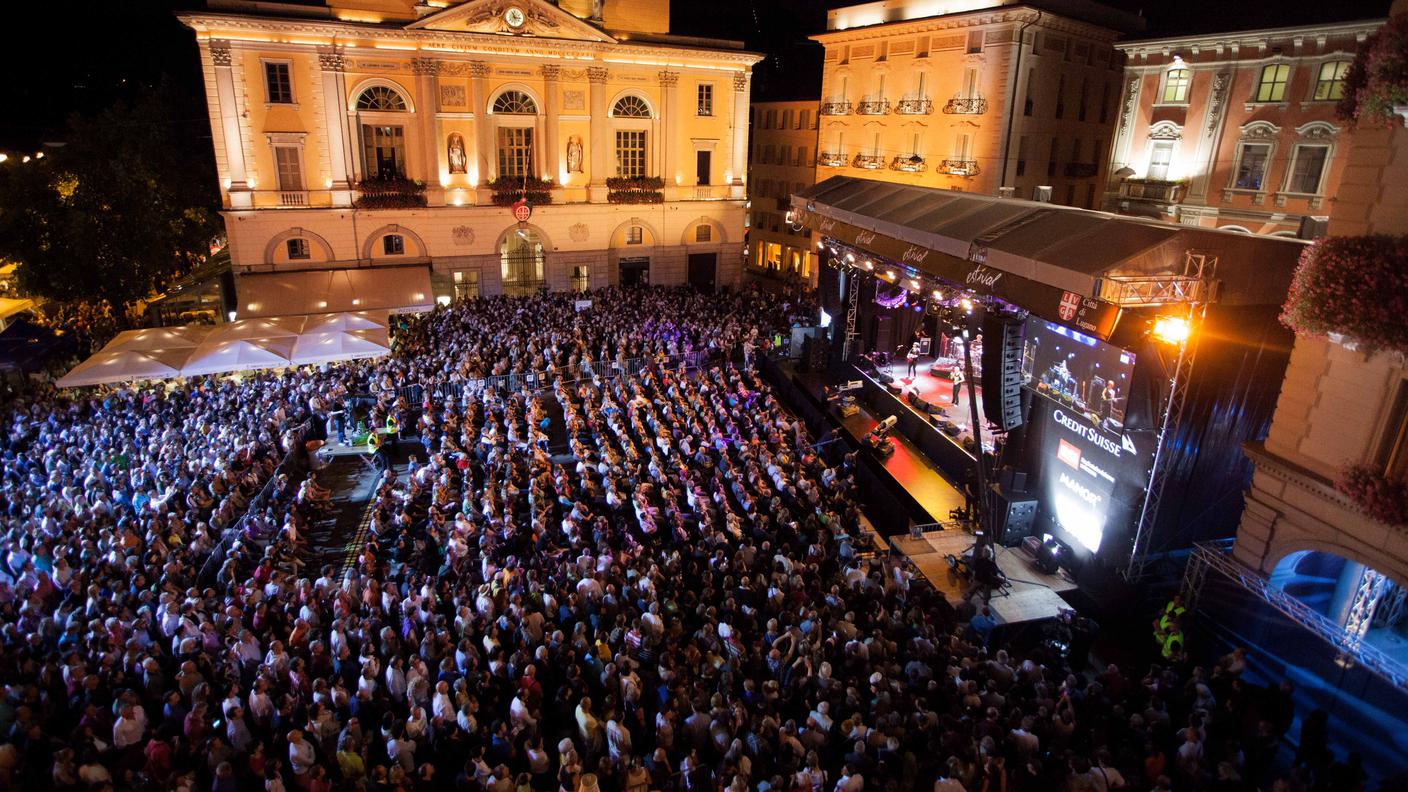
(936, 392)
(1033, 596)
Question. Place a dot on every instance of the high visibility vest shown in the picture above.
(1173, 644)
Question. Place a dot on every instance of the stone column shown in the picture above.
(600, 134)
(340, 149)
(426, 71)
(738, 162)
(483, 125)
(670, 124)
(223, 59)
(551, 110)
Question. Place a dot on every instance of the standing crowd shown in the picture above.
(622, 576)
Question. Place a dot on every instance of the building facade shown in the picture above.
(972, 96)
(782, 161)
(366, 134)
(1234, 130)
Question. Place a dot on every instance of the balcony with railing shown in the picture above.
(869, 161)
(910, 164)
(959, 167)
(1081, 170)
(835, 108)
(914, 106)
(831, 159)
(1153, 190)
(293, 198)
(873, 107)
(966, 105)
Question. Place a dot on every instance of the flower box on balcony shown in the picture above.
(635, 190)
(390, 194)
(1376, 85)
(508, 190)
(913, 164)
(914, 106)
(1354, 286)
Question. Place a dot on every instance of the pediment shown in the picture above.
(540, 19)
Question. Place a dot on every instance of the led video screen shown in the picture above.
(1083, 374)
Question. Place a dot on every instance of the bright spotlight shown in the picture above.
(967, 305)
(938, 295)
(1171, 329)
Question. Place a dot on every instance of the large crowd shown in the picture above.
(614, 578)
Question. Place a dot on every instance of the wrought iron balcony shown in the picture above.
(914, 106)
(873, 107)
(966, 105)
(1154, 190)
(959, 167)
(911, 164)
(831, 160)
(835, 108)
(1081, 170)
(869, 161)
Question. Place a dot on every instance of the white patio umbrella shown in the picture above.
(127, 365)
(273, 327)
(314, 348)
(239, 354)
(342, 322)
(159, 338)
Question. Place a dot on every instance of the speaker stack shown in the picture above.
(1015, 513)
(1002, 371)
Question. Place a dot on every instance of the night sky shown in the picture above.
(57, 58)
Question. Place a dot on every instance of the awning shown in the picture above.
(1093, 255)
(323, 291)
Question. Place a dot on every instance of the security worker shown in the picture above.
(1166, 619)
(1171, 647)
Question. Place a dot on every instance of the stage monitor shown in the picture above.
(1083, 374)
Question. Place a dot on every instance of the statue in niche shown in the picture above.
(574, 154)
(458, 163)
(596, 10)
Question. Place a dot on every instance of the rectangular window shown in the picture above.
(393, 244)
(1051, 163)
(297, 248)
(786, 158)
(970, 83)
(802, 156)
(1061, 97)
(786, 119)
(1104, 102)
(1080, 108)
(704, 232)
(1272, 85)
(580, 277)
(975, 42)
(705, 95)
(963, 147)
(771, 122)
(635, 235)
(278, 83)
(516, 151)
(767, 154)
(1251, 165)
(1022, 155)
(1159, 159)
(806, 120)
(384, 151)
(1029, 103)
(1176, 85)
(466, 284)
(1307, 169)
(630, 153)
(289, 168)
(1329, 81)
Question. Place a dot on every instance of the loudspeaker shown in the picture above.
(814, 351)
(1002, 371)
(884, 336)
(1012, 479)
(1016, 515)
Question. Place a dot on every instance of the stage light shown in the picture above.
(869, 265)
(850, 258)
(967, 305)
(914, 284)
(1171, 329)
(938, 295)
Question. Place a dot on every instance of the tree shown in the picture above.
(127, 205)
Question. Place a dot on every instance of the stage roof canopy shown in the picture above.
(1127, 261)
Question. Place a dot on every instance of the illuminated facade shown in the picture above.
(369, 133)
(972, 95)
(1233, 130)
(782, 161)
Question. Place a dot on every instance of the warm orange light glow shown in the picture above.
(1171, 329)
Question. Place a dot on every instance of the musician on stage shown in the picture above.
(913, 358)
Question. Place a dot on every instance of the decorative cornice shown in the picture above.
(669, 79)
(448, 43)
(220, 52)
(332, 59)
(1046, 21)
(597, 74)
(550, 71)
(1251, 39)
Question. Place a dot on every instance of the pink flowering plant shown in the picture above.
(1354, 286)
(1374, 494)
(1377, 80)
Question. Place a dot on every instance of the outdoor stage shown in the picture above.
(931, 390)
(1033, 595)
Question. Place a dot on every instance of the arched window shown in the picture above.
(515, 103)
(631, 107)
(381, 98)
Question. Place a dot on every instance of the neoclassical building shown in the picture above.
(782, 162)
(1234, 130)
(370, 151)
(1013, 97)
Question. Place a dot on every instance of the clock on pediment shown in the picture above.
(514, 18)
